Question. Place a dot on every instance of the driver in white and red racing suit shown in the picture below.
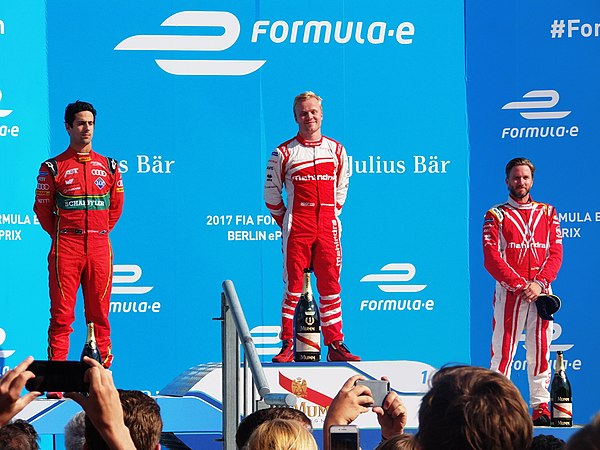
(313, 170)
(522, 247)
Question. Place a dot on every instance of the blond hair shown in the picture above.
(281, 434)
(306, 96)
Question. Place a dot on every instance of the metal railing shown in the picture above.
(234, 329)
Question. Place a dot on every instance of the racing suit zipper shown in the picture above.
(85, 231)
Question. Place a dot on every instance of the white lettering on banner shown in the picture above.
(397, 305)
(279, 31)
(14, 219)
(10, 235)
(430, 164)
(5, 113)
(248, 220)
(575, 29)
(321, 31)
(157, 165)
(134, 307)
(536, 100)
(4, 353)
(1, 27)
(123, 276)
(577, 217)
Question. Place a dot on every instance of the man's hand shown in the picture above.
(103, 406)
(531, 291)
(11, 385)
(392, 415)
(347, 405)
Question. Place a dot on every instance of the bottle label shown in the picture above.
(308, 342)
(562, 410)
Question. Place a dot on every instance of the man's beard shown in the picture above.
(517, 195)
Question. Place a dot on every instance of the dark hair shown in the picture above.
(141, 415)
(252, 421)
(398, 442)
(77, 107)
(474, 408)
(519, 162)
(18, 435)
(588, 438)
(547, 442)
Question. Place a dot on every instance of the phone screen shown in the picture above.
(58, 376)
(344, 440)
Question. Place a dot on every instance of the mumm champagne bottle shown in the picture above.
(560, 394)
(307, 325)
(90, 349)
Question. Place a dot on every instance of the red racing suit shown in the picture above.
(78, 200)
(315, 177)
(522, 242)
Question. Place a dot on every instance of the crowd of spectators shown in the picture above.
(467, 407)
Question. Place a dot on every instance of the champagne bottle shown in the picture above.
(90, 349)
(307, 325)
(560, 395)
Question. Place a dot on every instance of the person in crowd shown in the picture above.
(588, 438)
(547, 442)
(75, 432)
(352, 400)
(472, 408)
(252, 421)
(313, 169)
(398, 442)
(78, 201)
(19, 435)
(522, 248)
(141, 415)
(281, 434)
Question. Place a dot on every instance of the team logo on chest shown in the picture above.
(100, 182)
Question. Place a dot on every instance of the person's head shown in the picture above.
(75, 432)
(18, 435)
(141, 415)
(398, 442)
(252, 421)
(308, 113)
(474, 408)
(547, 442)
(80, 119)
(588, 438)
(283, 434)
(519, 177)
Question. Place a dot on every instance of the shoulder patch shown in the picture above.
(52, 166)
(497, 213)
(112, 164)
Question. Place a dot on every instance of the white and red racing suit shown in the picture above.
(315, 177)
(522, 242)
(78, 200)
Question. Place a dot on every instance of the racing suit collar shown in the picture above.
(309, 143)
(80, 156)
(516, 204)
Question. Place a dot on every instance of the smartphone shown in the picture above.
(379, 390)
(344, 437)
(58, 376)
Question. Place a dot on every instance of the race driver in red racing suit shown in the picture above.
(78, 200)
(522, 247)
(313, 170)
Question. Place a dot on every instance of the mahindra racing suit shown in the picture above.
(315, 177)
(522, 242)
(78, 200)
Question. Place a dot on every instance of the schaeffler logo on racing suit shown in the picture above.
(393, 278)
(539, 105)
(124, 278)
(278, 32)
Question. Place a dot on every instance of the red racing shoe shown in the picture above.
(541, 415)
(286, 355)
(339, 352)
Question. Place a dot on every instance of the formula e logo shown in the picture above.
(542, 99)
(556, 333)
(220, 19)
(395, 272)
(132, 275)
(4, 112)
(4, 353)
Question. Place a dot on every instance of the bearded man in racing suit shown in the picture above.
(522, 247)
(78, 200)
(313, 169)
